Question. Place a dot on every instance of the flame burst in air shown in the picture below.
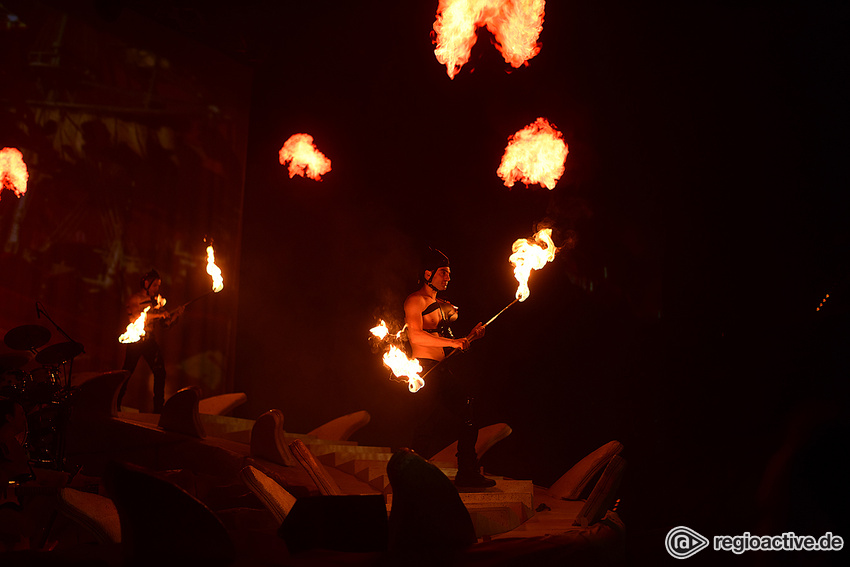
(214, 271)
(303, 157)
(13, 171)
(535, 154)
(515, 24)
(529, 256)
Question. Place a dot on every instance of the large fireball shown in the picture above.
(304, 158)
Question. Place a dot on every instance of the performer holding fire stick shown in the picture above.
(428, 318)
(148, 348)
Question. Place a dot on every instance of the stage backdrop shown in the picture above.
(134, 139)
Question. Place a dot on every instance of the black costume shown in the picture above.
(449, 416)
(147, 347)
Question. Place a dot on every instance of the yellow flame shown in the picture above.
(404, 367)
(381, 331)
(135, 330)
(214, 271)
(516, 25)
(13, 171)
(303, 157)
(529, 256)
(535, 154)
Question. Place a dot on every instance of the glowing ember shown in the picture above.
(404, 367)
(13, 171)
(535, 154)
(214, 271)
(529, 256)
(303, 157)
(516, 25)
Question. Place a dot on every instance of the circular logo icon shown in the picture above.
(683, 542)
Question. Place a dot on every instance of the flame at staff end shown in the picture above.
(214, 271)
(135, 330)
(529, 256)
(404, 367)
(535, 154)
(304, 158)
(381, 331)
(13, 171)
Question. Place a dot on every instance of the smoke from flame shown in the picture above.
(214, 271)
(13, 171)
(515, 24)
(303, 157)
(528, 255)
(535, 154)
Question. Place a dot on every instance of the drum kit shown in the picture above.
(43, 391)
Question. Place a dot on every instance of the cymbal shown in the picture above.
(59, 353)
(27, 337)
(12, 361)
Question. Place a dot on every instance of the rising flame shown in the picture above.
(214, 271)
(404, 367)
(535, 154)
(135, 330)
(303, 157)
(13, 171)
(529, 256)
(516, 25)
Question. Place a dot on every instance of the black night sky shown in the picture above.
(703, 191)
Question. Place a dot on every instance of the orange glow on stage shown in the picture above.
(515, 24)
(535, 154)
(304, 158)
(13, 172)
(529, 255)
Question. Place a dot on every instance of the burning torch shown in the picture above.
(136, 330)
(527, 255)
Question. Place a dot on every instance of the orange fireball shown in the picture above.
(304, 158)
(516, 25)
(535, 154)
(13, 171)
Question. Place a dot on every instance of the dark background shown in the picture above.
(702, 193)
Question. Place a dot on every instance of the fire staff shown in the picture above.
(428, 320)
(148, 348)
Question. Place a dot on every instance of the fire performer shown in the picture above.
(148, 348)
(428, 320)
